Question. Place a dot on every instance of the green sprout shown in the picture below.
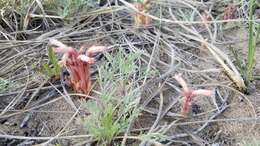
(46, 67)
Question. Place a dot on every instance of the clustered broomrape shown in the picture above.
(188, 93)
(140, 19)
(77, 63)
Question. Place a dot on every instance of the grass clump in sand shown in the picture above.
(118, 98)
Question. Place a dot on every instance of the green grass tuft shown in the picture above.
(251, 42)
(246, 70)
(118, 97)
(101, 124)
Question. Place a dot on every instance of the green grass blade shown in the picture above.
(239, 63)
(53, 60)
(56, 69)
(47, 69)
(51, 55)
(257, 77)
(251, 49)
(257, 34)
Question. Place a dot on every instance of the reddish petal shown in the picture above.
(203, 92)
(74, 73)
(57, 43)
(182, 82)
(85, 77)
(86, 59)
(58, 50)
(95, 49)
(186, 106)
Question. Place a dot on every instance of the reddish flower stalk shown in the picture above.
(188, 93)
(77, 63)
(205, 17)
(230, 12)
(140, 19)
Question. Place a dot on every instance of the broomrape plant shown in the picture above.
(188, 93)
(140, 19)
(77, 63)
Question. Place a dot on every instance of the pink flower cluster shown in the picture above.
(77, 63)
(188, 93)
